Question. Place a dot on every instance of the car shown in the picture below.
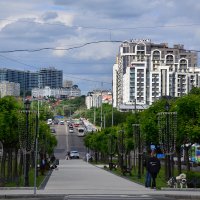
(56, 122)
(53, 130)
(71, 130)
(74, 155)
(62, 122)
(71, 126)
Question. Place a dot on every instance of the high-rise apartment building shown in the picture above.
(50, 77)
(145, 71)
(26, 79)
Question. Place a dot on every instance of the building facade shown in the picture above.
(26, 79)
(145, 71)
(50, 77)
(97, 97)
(9, 89)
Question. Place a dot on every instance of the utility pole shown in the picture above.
(101, 106)
(112, 106)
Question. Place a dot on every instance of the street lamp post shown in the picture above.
(168, 138)
(111, 149)
(167, 125)
(27, 104)
(121, 147)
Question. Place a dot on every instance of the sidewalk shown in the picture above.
(76, 177)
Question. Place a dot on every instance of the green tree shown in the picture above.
(188, 109)
(9, 135)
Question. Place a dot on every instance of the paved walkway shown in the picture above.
(75, 177)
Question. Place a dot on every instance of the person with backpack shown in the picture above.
(153, 167)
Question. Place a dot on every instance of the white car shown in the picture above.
(74, 154)
(71, 130)
(62, 122)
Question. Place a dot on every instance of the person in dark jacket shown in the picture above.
(148, 175)
(153, 167)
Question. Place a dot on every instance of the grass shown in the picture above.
(40, 178)
(160, 180)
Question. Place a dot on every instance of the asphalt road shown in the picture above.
(67, 142)
(84, 181)
(98, 197)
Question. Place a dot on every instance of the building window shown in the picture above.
(156, 55)
(169, 59)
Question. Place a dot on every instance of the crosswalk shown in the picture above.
(108, 197)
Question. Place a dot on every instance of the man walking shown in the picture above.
(153, 167)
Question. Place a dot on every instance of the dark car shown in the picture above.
(56, 122)
(53, 130)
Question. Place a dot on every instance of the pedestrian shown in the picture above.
(42, 166)
(87, 157)
(153, 167)
(68, 155)
(148, 175)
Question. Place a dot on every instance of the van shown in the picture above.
(49, 121)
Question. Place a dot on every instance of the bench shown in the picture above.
(112, 166)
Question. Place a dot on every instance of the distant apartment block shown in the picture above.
(67, 84)
(26, 79)
(50, 77)
(145, 71)
(9, 89)
(97, 97)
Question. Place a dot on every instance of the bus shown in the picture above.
(81, 131)
(195, 153)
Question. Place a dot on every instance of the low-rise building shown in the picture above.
(9, 89)
(97, 97)
(60, 93)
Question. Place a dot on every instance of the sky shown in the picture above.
(72, 30)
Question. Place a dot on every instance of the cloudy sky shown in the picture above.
(64, 24)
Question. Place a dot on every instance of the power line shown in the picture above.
(73, 77)
(17, 61)
(89, 80)
(60, 49)
(68, 49)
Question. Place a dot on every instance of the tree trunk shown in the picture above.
(21, 163)
(178, 151)
(187, 158)
(166, 174)
(3, 168)
(9, 168)
(15, 168)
